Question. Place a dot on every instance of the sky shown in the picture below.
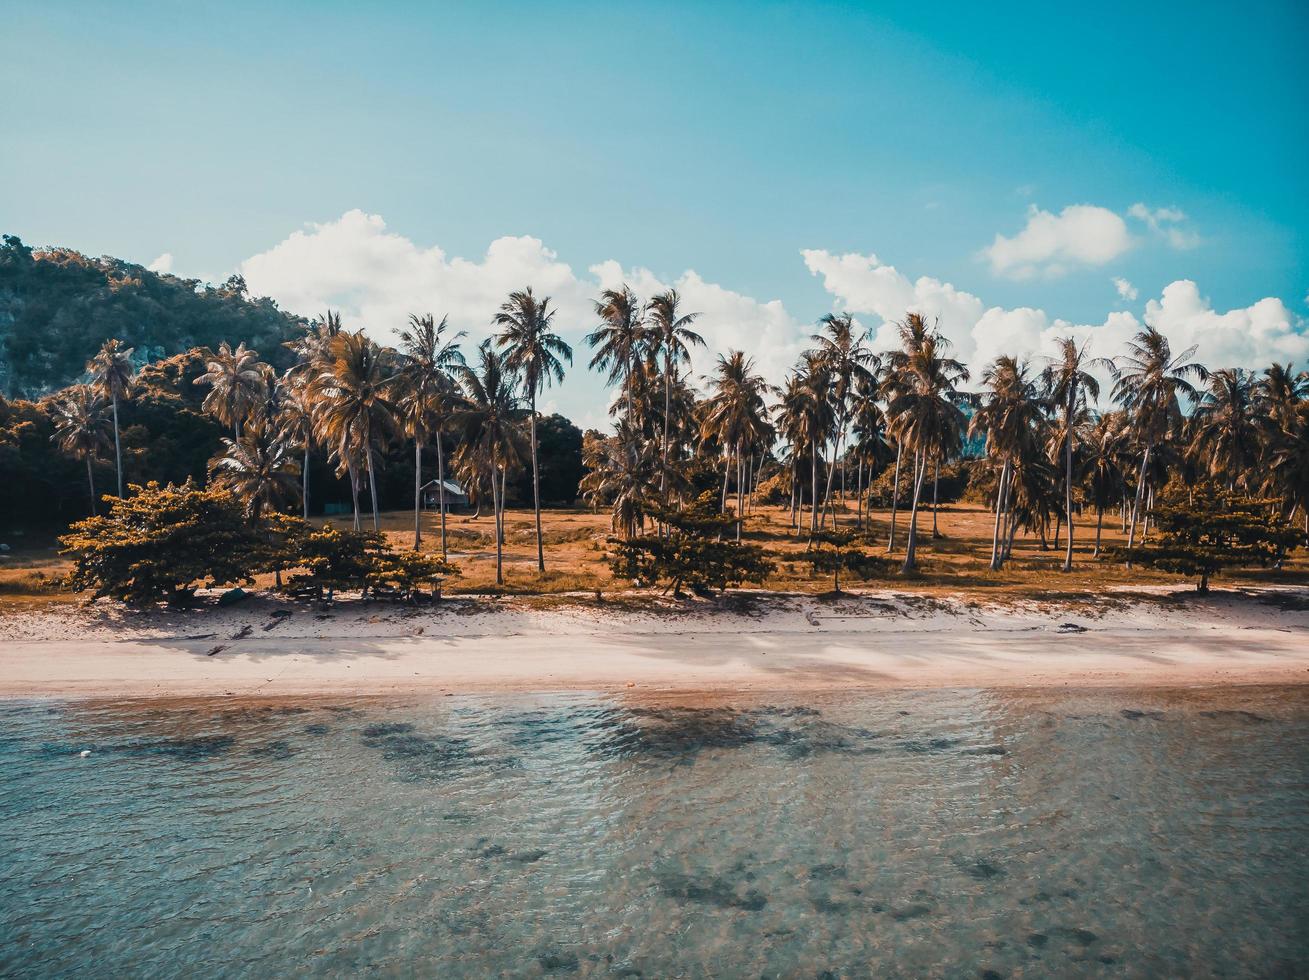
(1021, 171)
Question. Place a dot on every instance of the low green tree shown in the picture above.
(408, 572)
(335, 558)
(161, 543)
(843, 553)
(1209, 530)
(692, 552)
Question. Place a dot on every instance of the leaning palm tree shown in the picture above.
(236, 385)
(671, 339)
(1227, 428)
(425, 399)
(849, 361)
(489, 422)
(536, 354)
(111, 378)
(259, 467)
(79, 418)
(1149, 381)
(621, 339)
(1069, 385)
(355, 412)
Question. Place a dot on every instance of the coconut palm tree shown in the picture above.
(671, 339)
(536, 354)
(621, 340)
(236, 385)
(913, 330)
(1288, 465)
(843, 351)
(424, 401)
(353, 397)
(489, 419)
(1069, 386)
(111, 378)
(1228, 429)
(295, 422)
(259, 466)
(1280, 392)
(79, 419)
(622, 471)
(1149, 381)
(868, 428)
(1103, 460)
(736, 416)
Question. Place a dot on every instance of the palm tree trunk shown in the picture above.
(1068, 490)
(740, 500)
(118, 449)
(504, 496)
(831, 470)
(663, 473)
(536, 491)
(418, 489)
(90, 482)
(1099, 523)
(813, 494)
(727, 468)
(910, 555)
(895, 493)
(440, 484)
(999, 509)
(936, 482)
(793, 488)
(304, 483)
(1140, 490)
(354, 490)
(372, 484)
(859, 495)
(495, 507)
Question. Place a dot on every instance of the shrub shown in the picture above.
(409, 571)
(843, 554)
(161, 543)
(692, 552)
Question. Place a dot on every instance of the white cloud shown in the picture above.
(162, 264)
(1125, 289)
(1080, 234)
(1250, 336)
(1164, 222)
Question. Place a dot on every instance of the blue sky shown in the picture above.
(721, 138)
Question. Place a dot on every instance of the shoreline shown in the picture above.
(874, 640)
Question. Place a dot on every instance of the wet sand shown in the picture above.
(879, 640)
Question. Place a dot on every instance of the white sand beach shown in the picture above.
(264, 647)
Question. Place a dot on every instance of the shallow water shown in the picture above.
(943, 833)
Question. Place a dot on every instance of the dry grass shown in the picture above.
(955, 562)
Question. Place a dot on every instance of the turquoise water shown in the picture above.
(951, 833)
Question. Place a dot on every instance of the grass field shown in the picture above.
(575, 546)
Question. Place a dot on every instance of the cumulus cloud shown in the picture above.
(1250, 336)
(1125, 289)
(1166, 224)
(376, 278)
(1049, 244)
(162, 264)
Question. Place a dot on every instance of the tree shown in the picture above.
(425, 402)
(692, 553)
(79, 420)
(671, 338)
(489, 423)
(259, 467)
(844, 555)
(353, 395)
(559, 444)
(337, 559)
(621, 339)
(623, 472)
(1227, 429)
(160, 543)
(1149, 381)
(111, 378)
(236, 385)
(848, 361)
(1211, 530)
(1069, 385)
(736, 417)
(1103, 466)
(537, 355)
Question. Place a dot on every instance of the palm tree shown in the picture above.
(621, 339)
(489, 421)
(1227, 429)
(848, 361)
(1288, 465)
(1280, 392)
(621, 471)
(295, 422)
(671, 338)
(537, 355)
(736, 417)
(868, 426)
(1102, 465)
(1149, 382)
(913, 330)
(111, 378)
(79, 419)
(259, 466)
(1069, 386)
(236, 385)
(1009, 417)
(429, 356)
(355, 412)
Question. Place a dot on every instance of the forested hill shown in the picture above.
(58, 306)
